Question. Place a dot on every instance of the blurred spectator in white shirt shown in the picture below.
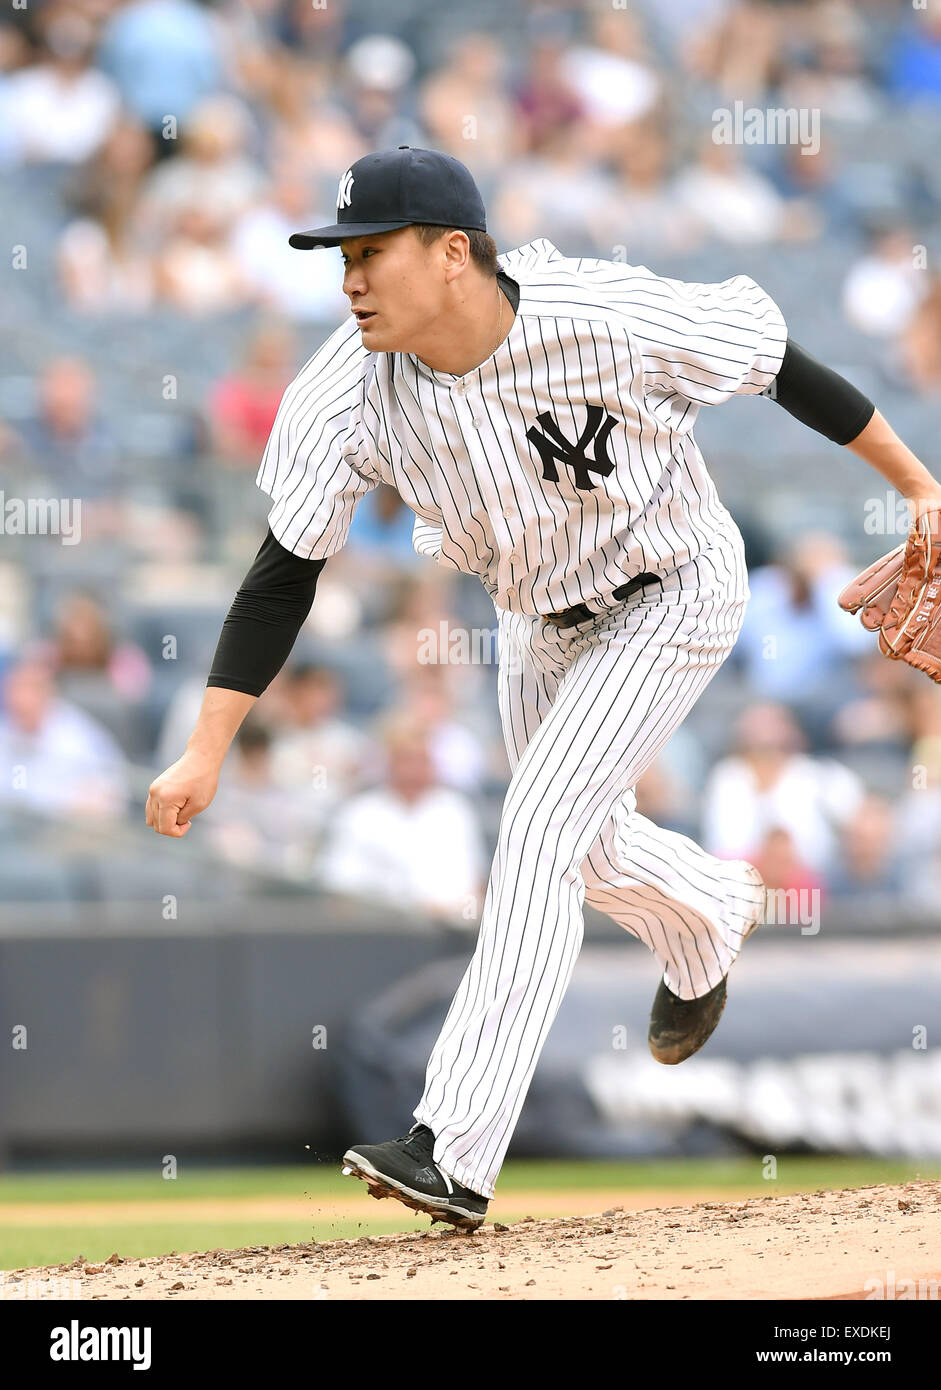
(735, 203)
(54, 758)
(104, 263)
(611, 75)
(314, 746)
(769, 781)
(301, 285)
(258, 823)
(61, 109)
(410, 842)
(884, 288)
(212, 172)
(196, 272)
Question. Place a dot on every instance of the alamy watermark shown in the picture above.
(793, 907)
(775, 125)
(894, 1287)
(41, 516)
(891, 515)
(78, 1343)
(447, 645)
(13, 1289)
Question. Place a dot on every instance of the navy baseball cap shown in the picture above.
(397, 188)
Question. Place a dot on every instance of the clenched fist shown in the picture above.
(177, 795)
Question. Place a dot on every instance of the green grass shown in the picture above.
(321, 1180)
(138, 1186)
(38, 1245)
(48, 1245)
(793, 1174)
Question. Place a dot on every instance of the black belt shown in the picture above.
(581, 613)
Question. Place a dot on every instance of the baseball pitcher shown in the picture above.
(536, 413)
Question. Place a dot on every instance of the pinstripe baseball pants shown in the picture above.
(584, 711)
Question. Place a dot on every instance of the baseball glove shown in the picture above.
(899, 596)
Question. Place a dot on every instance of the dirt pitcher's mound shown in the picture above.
(878, 1242)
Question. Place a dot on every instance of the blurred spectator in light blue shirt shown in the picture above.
(65, 439)
(66, 446)
(382, 525)
(795, 635)
(54, 758)
(164, 55)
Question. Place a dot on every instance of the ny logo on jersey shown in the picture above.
(344, 191)
(556, 446)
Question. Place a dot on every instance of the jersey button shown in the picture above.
(476, 424)
(514, 558)
(508, 512)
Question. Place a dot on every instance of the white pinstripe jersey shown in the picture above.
(560, 467)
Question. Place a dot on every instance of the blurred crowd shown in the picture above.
(197, 137)
(159, 153)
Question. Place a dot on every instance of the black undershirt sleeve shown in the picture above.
(266, 615)
(819, 397)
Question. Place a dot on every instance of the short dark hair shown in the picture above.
(483, 248)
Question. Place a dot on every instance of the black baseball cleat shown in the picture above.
(405, 1169)
(680, 1027)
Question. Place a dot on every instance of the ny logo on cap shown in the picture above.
(344, 190)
